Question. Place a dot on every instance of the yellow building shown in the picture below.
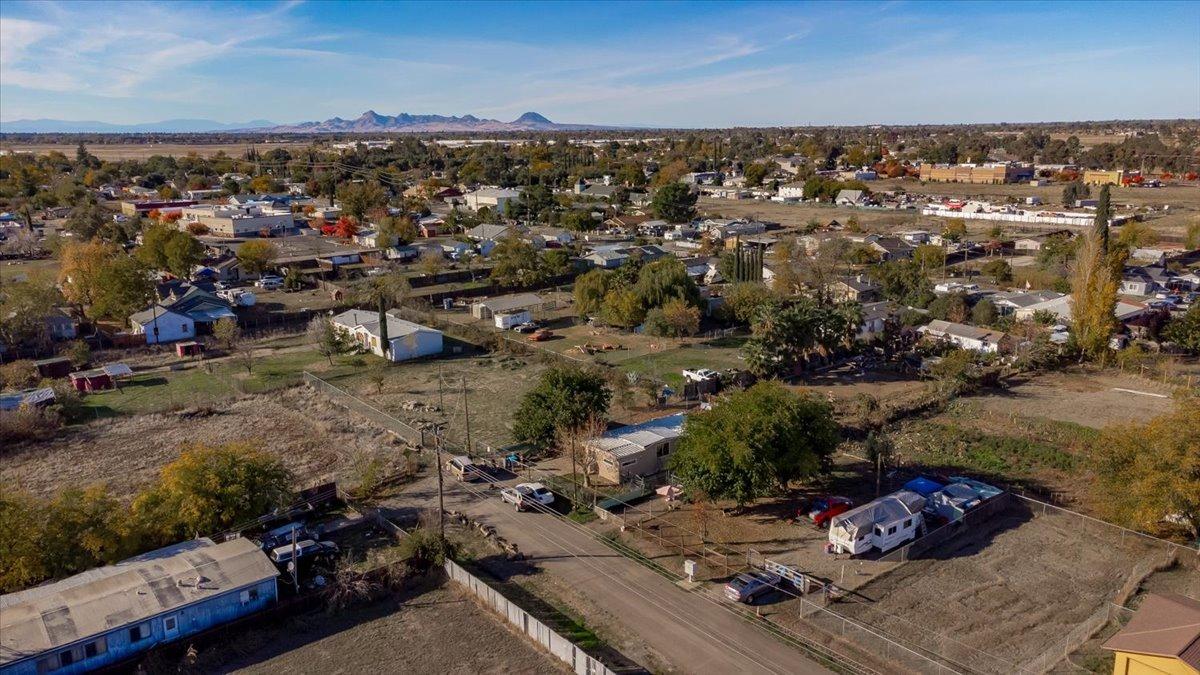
(1097, 177)
(980, 174)
(1163, 638)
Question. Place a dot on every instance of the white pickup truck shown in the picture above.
(700, 375)
(526, 495)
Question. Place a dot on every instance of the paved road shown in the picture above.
(688, 630)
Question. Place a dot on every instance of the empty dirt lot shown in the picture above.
(1005, 595)
(442, 630)
(1093, 400)
(317, 442)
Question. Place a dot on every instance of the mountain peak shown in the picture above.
(532, 118)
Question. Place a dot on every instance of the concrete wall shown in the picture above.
(546, 637)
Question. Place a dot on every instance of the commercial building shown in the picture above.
(990, 174)
(108, 615)
(239, 221)
(1099, 177)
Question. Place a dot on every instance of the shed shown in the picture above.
(118, 371)
(189, 348)
(59, 366)
(37, 397)
(506, 304)
(92, 380)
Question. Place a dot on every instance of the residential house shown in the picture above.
(875, 319)
(964, 336)
(635, 450)
(891, 248)
(858, 288)
(597, 190)
(202, 307)
(1148, 256)
(1061, 308)
(431, 226)
(406, 340)
(1147, 280)
(160, 325)
(850, 198)
(626, 221)
(372, 239)
(734, 228)
(60, 325)
(702, 178)
(487, 231)
(915, 237)
(552, 237)
(1009, 302)
(1034, 243)
(508, 304)
(496, 199)
(110, 615)
(1162, 638)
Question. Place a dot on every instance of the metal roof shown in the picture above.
(106, 598)
(887, 509)
(635, 438)
(1165, 625)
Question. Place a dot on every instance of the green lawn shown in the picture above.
(668, 365)
(200, 385)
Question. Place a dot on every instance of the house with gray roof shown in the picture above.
(635, 450)
(405, 339)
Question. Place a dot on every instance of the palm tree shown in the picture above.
(384, 292)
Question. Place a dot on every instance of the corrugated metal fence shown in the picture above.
(537, 631)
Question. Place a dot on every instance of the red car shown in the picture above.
(823, 509)
(540, 334)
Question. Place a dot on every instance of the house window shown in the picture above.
(47, 664)
(170, 625)
(69, 656)
(139, 632)
(878, 531)
(908, 523)
(664, 451)
(892, 530)
(249, 595)
(95, 647)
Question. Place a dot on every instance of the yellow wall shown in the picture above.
(1127, 663)
(1102, 177)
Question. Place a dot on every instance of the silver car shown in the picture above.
(751, 586)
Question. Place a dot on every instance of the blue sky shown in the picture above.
(671, 64)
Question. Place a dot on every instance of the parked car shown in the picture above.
(823, 509)
(540, 335)
(751, 586)
(526, 495)
(462, 468)
(273, 539)
(527, 327)
(701, 374)
(269, 283)
(304, 549)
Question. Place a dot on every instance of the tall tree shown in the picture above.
(1094, 283)
(674, 203)
(755, 442)
(256, 255)
(1103, 217)
(564, 398)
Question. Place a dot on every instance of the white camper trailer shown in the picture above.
(884, 524)
(507, 321)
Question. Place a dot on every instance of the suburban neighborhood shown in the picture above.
(445, 393)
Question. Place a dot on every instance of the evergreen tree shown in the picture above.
(1103, 216)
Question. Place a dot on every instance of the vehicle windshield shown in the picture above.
(739, 583)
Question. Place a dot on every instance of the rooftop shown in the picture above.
(106, 598)
(1165, 625)
(635, 438)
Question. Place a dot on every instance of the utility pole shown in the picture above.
(295, 564)
(441, 402)
(437, 444)
(466, 414)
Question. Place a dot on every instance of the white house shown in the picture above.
(849, 198)
(407, 340)
(884, 523)
(159, 325)
(966, 337)
(494, 198)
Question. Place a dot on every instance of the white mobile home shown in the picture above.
(884, 524)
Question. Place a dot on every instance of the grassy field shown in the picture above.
(12, 270)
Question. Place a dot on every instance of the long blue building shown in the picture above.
(107, 615)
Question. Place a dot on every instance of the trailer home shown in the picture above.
(884, 524)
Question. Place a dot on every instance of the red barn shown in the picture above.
(92, 380)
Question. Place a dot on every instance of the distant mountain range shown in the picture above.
(372, 122)
(180, 126)
(368, 122)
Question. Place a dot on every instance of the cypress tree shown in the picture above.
(1103, 215)
(384, 342)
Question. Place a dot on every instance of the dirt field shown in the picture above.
(442, 630)
(117, 151)
(796, 215)
(1092, 400)
(1003, 595)
(315, 441)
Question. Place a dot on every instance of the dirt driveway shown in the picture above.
(1093, 400)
